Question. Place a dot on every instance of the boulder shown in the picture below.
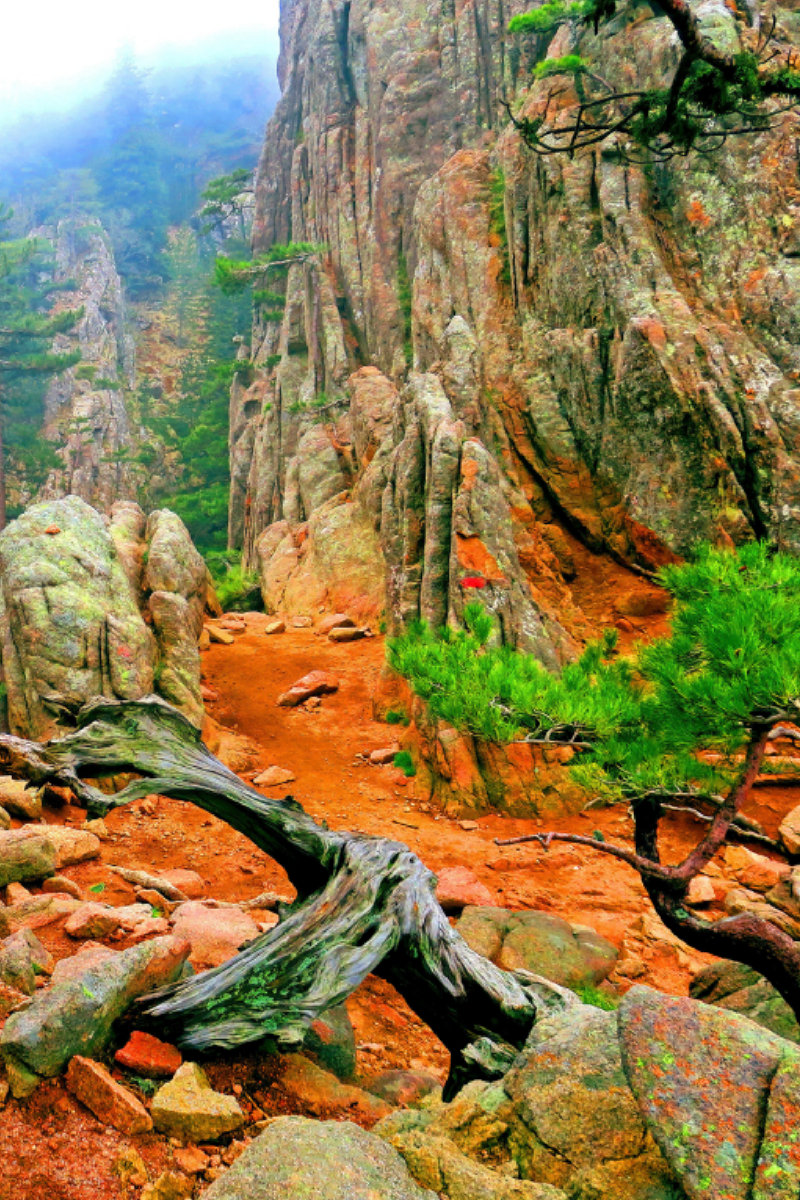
(25, 856)
(91, 954)
(214, 933)
(740, 989)
(91, 1083)
(22, 958)
(92, 920)
(38, 911)
(436, 1163)
(326, 1160)
(76, 1016)
(573, 956)
(189, 1109)
(714, 1135)
(70, 627)
(331, 1042)
(72, 845)
(789, 832)
(273, 777)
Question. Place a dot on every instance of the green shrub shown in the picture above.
(497, 219)
(238, 590)
(597, 997)
(396, 717)
(405, 762)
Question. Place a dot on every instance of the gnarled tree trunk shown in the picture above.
(364, 905)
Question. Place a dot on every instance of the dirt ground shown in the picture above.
(52, 1148)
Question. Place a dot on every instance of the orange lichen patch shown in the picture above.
(754, 278)
(473, 556)
(648, 546)
(469, 472)
(697, 214)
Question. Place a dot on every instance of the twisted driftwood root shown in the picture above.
(364, 905)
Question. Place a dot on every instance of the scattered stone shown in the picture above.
(203, 643)
(184, 882)
(92, 920)
(221, 636)
(24, 856)
(403, 1088)
(215, 934)
(77, 1015)
(701, 891)
(754, 871)
(60, 883)
(189, 1109)
(232, 624)
(382, 758)
(275, 627)
(191, 1159)
(326, 1160)
(91, 1083)
(22, 958)
(17, 894)
(20, 800)
(208, 694)
(21, 1081)
(469, 826)
(129, 1168)
(145, 1055)
(274, 777)
(39, 911)
(346, 635)
(789, 832)
(302, 622)
(322, 1093)
(458, 887)
(315, 683)
(570, 955)
(169, 1186)
(97, 827)
(71, 845)
(334, 621)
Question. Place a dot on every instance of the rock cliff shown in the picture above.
(85, 411)
(494, 353)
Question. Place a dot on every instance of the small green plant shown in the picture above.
(405, 762)
(147, 1087)
(237, 590)
(272, 360)
(104, 384)
(404, 299)
(97, 888)
(396, 717)
(85, 371)
(497, 220)
(595, 996)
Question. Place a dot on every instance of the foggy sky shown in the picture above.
(55, 51)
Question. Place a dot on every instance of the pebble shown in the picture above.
(275, 627)
(274, 777)
(221, 636)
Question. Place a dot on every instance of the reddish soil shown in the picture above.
(53, 1149)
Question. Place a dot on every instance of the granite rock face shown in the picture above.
(494, 347)
(73, 600)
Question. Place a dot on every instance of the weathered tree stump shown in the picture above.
(364, 905)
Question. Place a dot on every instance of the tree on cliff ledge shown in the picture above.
(715, 92)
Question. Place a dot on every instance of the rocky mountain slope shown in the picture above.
(493, 349)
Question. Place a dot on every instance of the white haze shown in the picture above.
(55, 52)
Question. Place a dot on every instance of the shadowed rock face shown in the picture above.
(73, 597)
(605, 348)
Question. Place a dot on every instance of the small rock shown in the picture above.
(20, 800)
(22, 958)
(789, 832)
(346, 635)
(752, 870)
(469, 826)
(458, 886)
(302, 622)
(189, 1109)
(274, 777)
(92, 920)
(382, 758)
(38, 911)
(22, 1081)
(52, 530)
(233, 625)
(701, 891)
(17, 894)
(334, 621)
(60, 883)
(204, 640)
(215, 934)
(402, 1088)
(169, 1186)
(96, 827)
(145, 1055)
(189, 883)
(315, 683)
(91, 1083)
(275, 627)
(208, 694)
(129, 1167)
(321, 1092)
(221, 636)
(191, 1159)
